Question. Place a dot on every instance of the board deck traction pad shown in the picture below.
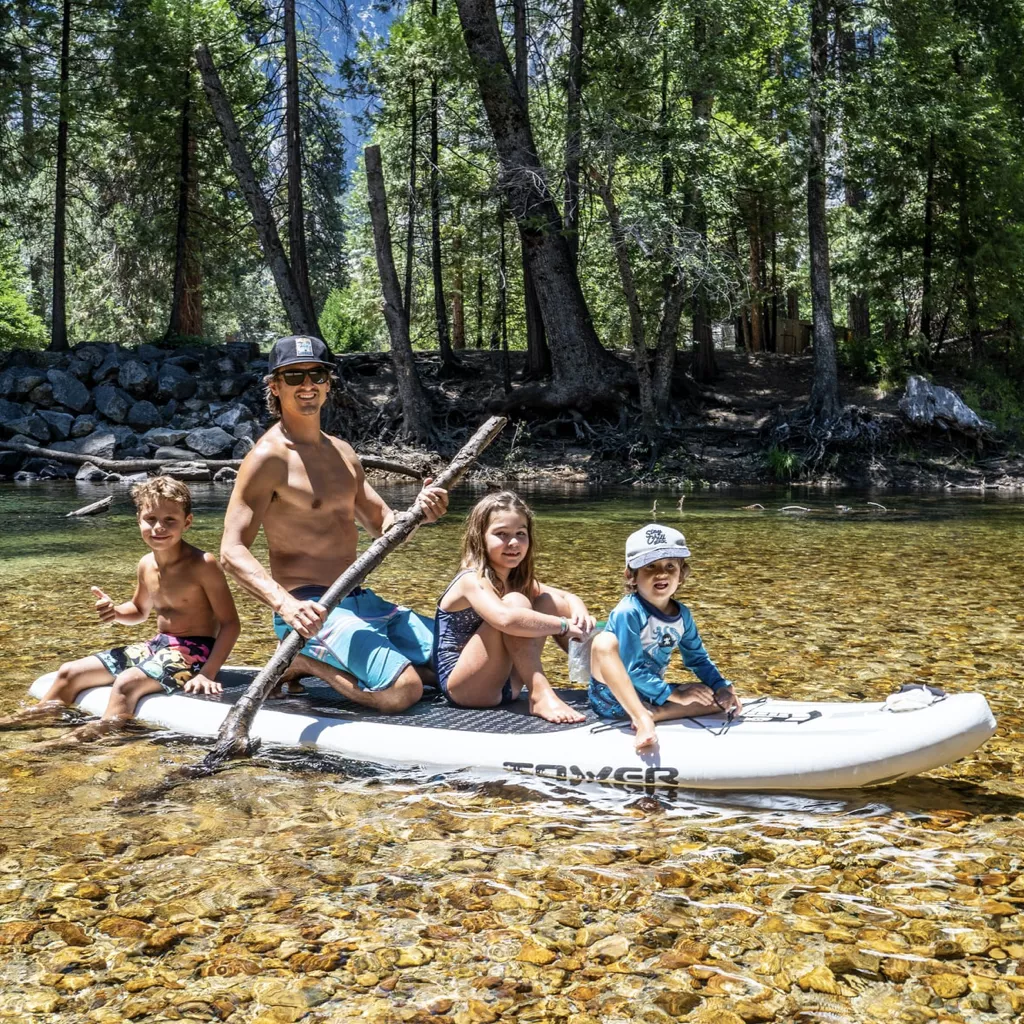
(432, 712)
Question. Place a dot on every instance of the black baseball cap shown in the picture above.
(298, 348)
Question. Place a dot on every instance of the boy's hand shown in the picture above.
(646, 737)
(699, 694)
(104, 605)
(726, 699)
(201, 684)
(305, 617)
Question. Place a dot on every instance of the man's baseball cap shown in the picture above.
(652, 543)
(298, 348)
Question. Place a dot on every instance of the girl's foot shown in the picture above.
(552, 708)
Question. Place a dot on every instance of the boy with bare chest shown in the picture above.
(195, 616)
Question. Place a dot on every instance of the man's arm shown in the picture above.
(375, 515)
(259, 475)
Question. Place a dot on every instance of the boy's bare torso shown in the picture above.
(179, 600)
(310, 521)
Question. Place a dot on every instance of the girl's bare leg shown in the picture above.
(525, 654)
(72, 678)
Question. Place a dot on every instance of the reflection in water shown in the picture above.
(296, 887)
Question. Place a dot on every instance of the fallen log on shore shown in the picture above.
(148, 465)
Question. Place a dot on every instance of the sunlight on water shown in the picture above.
(295, 888)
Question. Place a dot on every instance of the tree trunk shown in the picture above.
(673, 279)
(574, 131)
(538, 358)
(415, 404)
(26, 88)
(754, 248)
(705, 366)
(186, 317)
(444, 342)
(967, 248)
(637, 332)
(506, 369)
(58, 323)
(263, 220)
(458, 292)
(858, 306)
(928, 246)
(293, 145)
(824, 400)
(410, 230)
(582, 371)
(480, 280)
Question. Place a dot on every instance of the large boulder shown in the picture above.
(10, 410)
(144, 415)
(176, 383)
(150, 353)
(168, 452)
(231, 417)
(79, 368)
(110, 367)
(242, 447)
(112, 402)
(9, 462)
(234, 385)
(90, 474)
(101, 444)
(33, 426)
(42, 394)
(136, 377)
(161, 436)
(210, 442)
(68, 390)
(930, 405)
(83, 426)
(91, 353)
(18, 381)
(60, 423)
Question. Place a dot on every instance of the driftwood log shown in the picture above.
(146, 465)
(233, 739)
(95, 508)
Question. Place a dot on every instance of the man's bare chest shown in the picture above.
(324, 485)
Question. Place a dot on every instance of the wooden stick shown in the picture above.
(145, 465)
(233, 739)
(90, 510)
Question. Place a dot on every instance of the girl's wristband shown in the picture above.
(565, 626)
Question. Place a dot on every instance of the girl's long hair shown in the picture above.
(474, 549)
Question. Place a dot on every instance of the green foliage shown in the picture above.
(782, 463)
(19, 326)
(341, 325)
(997, 394)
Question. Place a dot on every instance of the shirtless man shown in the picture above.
(308, 491)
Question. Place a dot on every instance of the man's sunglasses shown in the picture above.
(293, 378)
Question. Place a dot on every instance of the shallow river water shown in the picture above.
(294, 889)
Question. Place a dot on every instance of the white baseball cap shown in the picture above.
(652, 543)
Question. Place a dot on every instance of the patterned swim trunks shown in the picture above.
(170, 660)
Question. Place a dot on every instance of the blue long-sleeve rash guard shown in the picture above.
(647, 638)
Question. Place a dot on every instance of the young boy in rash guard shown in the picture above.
(629, 659)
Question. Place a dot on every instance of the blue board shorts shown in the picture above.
(366, 636)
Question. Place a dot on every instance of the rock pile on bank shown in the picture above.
(116, 402)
